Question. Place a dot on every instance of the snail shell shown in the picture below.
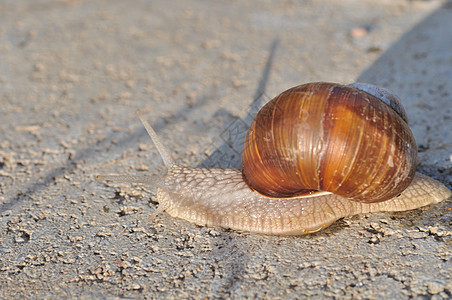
(329, 137)
(223, 198)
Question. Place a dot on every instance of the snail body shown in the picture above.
(260, 199)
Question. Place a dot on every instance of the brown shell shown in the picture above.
(329, 137)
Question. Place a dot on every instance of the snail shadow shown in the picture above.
(417, 61)
(422, 54)
(418, 68)
(226, 151)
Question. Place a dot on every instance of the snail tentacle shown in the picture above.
(151, 180)
(155, 181)
(164, 153)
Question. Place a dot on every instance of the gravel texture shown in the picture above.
(72, 74)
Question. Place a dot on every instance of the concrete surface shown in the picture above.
(72, 73)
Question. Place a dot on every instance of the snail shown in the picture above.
(314, 154)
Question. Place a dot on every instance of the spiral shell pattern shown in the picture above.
(329, 137)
